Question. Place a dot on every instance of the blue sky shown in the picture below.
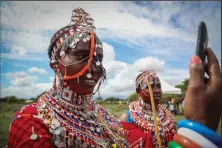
(136, 35)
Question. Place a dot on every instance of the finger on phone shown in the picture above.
(214, 71)
(196, 72)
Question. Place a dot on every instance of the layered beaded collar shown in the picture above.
(76, 120)
(142, 115)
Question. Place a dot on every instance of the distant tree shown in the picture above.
(183, 86)
(32, 98)
(99, 98)
(112, 99)
(132, 97)
(11, 99)
(40, 95)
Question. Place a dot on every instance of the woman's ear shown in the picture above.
(137, 90)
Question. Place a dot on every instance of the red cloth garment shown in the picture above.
(21, 129)
(134, 134)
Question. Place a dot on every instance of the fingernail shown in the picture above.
(195, 60)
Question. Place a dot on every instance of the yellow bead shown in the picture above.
(114, 145)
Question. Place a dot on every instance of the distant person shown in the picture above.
(168, 103)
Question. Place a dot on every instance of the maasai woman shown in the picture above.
(140, 114)
(67, 115)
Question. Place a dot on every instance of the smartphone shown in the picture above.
(202, 41)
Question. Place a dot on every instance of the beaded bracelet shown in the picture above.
(202, 130)
(196, 137)
(184, 141)
(173, 144)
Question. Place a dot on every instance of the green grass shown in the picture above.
(7, 112)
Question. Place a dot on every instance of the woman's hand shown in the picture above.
(203, 101)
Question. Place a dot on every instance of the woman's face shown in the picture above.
(80, 56)
(156, 89)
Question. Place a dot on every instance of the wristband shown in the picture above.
(185, 142)
(203, 130)
(173, 144)
(196, 137)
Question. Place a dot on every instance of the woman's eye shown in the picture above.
(100, 59)
(81, 57)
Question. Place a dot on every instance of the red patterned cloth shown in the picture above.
(134, 134)
(21, 130)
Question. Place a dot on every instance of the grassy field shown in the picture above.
(7, 112)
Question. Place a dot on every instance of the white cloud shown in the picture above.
(114, 67)
(24, 85)
(108, 53)
(149, 63)
(27, 57)
(24, 41)
(37, 70)
(175, 76)
(26, 92)
(20, 50)
(20, 78)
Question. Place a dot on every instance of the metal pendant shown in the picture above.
(88, 37)
(98, 63)
(80, 35)
(33, 137)
(53, 61)
(84, 145)
(98, 130)
(78, 142)
(92, 128)
(70, 141)
(62, 53)
(76, 40)
(89, 75)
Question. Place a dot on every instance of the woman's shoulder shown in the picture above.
(26, 129)
(27, 109)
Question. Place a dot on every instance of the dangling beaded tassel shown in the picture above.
(89, 75)
(77, 79)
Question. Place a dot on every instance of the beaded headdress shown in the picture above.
(82, 28)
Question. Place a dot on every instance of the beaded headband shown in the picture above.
(144, 74)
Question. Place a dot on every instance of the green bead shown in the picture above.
(173, 144)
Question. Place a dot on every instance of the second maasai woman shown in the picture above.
(139, 120)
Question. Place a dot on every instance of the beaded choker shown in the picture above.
(142, 115)
(79, 120)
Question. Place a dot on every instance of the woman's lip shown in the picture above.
(90, 82)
